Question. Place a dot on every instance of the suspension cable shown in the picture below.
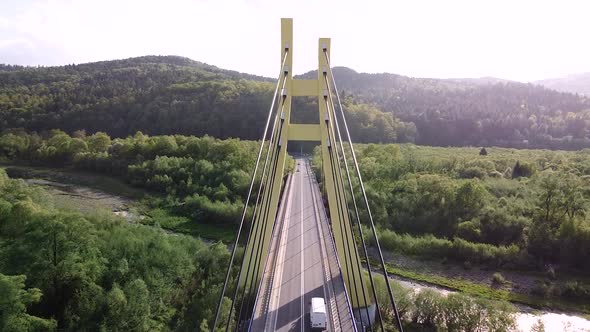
(358, 219)
(261, 191)
(366, 201)
(345, 239)
(340, 185)
(261, 218)
(227, 274)
(328, 106)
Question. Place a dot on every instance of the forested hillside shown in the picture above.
(477, 112)
(155, 95)
(579, 83)
(173, 95)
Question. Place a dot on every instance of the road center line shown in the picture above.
(301, 252)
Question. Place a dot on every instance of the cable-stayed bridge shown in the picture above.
(295, 240)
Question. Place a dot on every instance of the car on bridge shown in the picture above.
(317, 314)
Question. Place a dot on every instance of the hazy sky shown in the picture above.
(522, 40)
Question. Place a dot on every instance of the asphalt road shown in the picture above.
(303, 274)
(300, 262)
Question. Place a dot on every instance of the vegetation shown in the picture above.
(493, 293)
(174, 95)
(64, 270)
(472, 112)
(99, 272)
(158, 95)
(509, 209)
(429, 310)
(494, 207)
(198, 184)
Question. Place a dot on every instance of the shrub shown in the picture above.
(576, 291)
(472, 172)
(428, 304)
(522, 170)
(543, 289)
(498, 279)
(539, 326)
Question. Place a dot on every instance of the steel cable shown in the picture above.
(261, 191)
(366, 201)
(266, 205)
(331, 105)
(345, 239)
(248, 197)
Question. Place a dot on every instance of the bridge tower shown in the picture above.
(323, 133)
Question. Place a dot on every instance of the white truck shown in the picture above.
(317, 314)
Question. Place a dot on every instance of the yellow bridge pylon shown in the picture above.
(322, 132)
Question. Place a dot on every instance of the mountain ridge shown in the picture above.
(575, 83)
(176, 95)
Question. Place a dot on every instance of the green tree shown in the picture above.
(99, 142)
(13, 306)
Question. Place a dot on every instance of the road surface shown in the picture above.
(301, 263)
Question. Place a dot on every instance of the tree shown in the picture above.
(13, 306)
(99, 142)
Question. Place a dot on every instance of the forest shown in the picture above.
(498, 208)
(158, 96)
(96, 272)
(166, 95)
(200, 179)
(183, 132)
(67, 271)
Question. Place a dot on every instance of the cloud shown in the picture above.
(522, 40)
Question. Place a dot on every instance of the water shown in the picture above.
(525, 319)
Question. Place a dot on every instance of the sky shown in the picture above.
(521, 40)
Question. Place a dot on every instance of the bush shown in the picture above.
(522, 170)
(458, 312)
(543, 289)
(429, 306)
(576, 290)
(458, 249)
(472, 172)
(498, 279)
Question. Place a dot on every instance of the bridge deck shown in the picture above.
(301, 264)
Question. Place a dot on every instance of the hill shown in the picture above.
(174, 95)
(578, 83)
(461, 112)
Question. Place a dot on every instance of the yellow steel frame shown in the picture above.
(310, 132)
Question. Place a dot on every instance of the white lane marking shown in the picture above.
(301, 253)
(327, 272)
(279, 268)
